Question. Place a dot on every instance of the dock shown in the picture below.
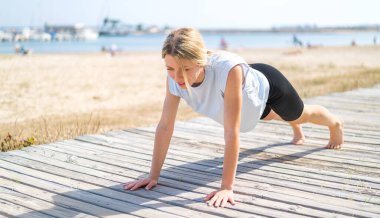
(83, 177)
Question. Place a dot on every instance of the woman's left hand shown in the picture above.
(220, 198)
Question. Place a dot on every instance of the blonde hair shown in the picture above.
(185, 43)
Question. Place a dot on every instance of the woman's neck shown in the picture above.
(200, 79)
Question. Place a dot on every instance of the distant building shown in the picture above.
(69, 32)
(114, 27)
(70, 29)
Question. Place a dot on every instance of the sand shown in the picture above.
(133, 84)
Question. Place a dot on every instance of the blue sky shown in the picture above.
(196, 13)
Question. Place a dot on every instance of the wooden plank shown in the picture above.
(215, 134)
(320, 131)
(360, 179)
(284, 136)
(179, 152)
(350, 129)
(288, 207)
(356, 125)
(59, 201)
(9, 209)
(321, 160)
(205, 167)
(36, 204)
(345, 103)
(247, 138)
(81, 191)
(114, 175)
(184, 155)
(210, 138)
(83, 179)
(196, 181)
(367, 102)
(252, 209)
(272, 130)
(336, 176)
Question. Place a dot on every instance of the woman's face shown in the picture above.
(193, 71)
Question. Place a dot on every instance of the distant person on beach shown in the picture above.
(222, 86)
(112, 50)
(20, 49)
(17, 48)
(296, 41)
(223, 44)
(374, 40)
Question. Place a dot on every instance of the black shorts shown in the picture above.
(283, 98)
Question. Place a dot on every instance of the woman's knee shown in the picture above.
(303, 118)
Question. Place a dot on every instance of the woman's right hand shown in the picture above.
(147, 182)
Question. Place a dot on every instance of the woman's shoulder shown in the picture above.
(223, 55)
(222, 58)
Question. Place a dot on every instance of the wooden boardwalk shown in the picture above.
(83, 177)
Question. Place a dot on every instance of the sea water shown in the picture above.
(153, 42)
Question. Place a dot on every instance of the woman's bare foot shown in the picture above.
(298, 136)
(298, 141)
(336, 136)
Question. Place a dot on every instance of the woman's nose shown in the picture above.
(178, 76)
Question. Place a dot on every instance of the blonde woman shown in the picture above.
(225, 88)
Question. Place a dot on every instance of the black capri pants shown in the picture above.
(283, 98)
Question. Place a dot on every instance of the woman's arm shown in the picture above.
(163, 135)
(232, 114)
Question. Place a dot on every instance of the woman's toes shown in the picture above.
(298, 141)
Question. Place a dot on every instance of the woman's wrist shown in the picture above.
(226, 187)
(153, 177)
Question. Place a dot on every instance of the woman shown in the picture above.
(225, 88)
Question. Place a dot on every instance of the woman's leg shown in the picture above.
(285, 104)
(298, 136)
(320, 115)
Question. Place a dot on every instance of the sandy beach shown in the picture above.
(128, 90)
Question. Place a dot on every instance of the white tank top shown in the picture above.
(208, 97)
